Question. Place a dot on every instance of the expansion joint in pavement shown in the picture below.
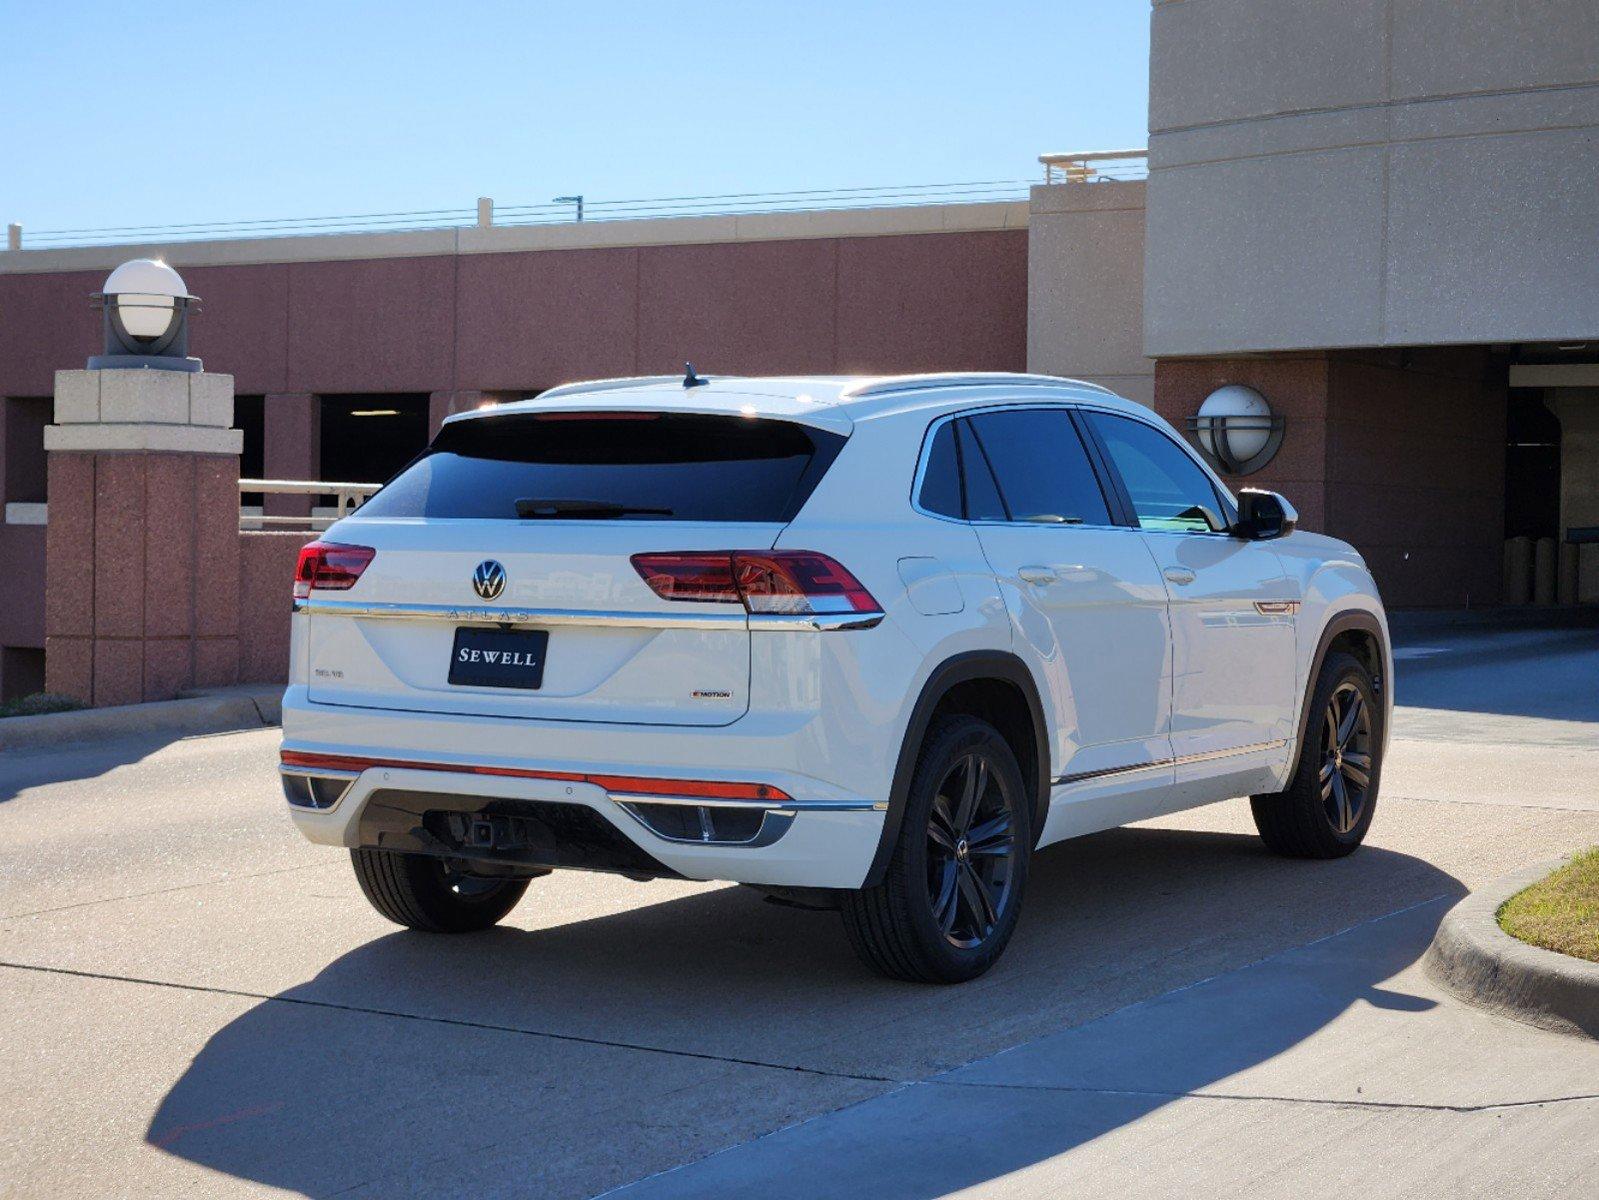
(457, 1022)
(164, 891)
(1325, 1102)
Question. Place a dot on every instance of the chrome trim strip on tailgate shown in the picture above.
(464, 615)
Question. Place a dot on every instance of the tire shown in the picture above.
(1325, 810)
(422, 892)
(927, 921)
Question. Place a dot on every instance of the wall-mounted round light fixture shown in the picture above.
(1237, 430)
(146, 318)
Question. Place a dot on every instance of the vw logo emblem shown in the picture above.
(488, 581)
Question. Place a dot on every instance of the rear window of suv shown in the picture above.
(612, 465)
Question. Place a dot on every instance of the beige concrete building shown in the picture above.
(1383, 216)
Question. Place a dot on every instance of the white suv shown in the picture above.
(859, 643)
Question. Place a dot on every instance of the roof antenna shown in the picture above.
(691, 380)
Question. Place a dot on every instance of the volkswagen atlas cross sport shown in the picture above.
(862, 644)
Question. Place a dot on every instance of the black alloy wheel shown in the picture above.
(1327, 806)
(951, 892)
(1346, 758)
(971, 839)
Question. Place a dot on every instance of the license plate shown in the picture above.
(503, 658)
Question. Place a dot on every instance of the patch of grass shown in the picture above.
(39, 702)
(1560, 912)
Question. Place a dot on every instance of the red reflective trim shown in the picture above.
(707, 788)
(644, 785)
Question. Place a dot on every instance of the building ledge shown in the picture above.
(503, 239)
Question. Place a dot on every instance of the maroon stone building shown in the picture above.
(348, 351)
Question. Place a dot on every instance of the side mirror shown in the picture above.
(1263, 515)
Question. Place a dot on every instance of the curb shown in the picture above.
(1483, 965)
(213, 711)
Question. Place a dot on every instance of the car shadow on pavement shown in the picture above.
(586, 1053)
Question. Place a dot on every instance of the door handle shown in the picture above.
(1179, 574)
(1038, 575)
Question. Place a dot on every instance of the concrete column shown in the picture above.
(291, 448)
(444, 404)
(142, 546)
(1578, 410)
(1085, 286)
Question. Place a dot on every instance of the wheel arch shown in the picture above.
(1362, 634)
(991, 684)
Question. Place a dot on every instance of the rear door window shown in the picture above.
(1043, 472)
(612, 465)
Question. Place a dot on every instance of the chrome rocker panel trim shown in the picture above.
(1183, 761)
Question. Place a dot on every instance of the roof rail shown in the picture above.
(607, 385)
(923, 383)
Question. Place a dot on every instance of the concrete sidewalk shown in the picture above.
(1336, 1069)
(203, 710)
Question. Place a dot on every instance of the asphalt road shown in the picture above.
(193, 1001)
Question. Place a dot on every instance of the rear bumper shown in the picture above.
(816, 835)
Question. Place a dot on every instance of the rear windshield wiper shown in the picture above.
(531, 508)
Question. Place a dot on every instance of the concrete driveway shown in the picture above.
(193, 1000)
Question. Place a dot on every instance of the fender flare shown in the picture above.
(960, 668)
(1339, 623)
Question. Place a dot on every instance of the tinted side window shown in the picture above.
(1169, 491)
(941, 481)
(983, 501)
(1042, 468)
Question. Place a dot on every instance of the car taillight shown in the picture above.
(329, 566)
(764, 581)
(689, 576)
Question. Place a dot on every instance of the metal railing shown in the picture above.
(1092, 166)
(488, 214)
(347, 497)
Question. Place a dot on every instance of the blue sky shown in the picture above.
(165, 113)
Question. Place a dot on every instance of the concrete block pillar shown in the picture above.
(142, 546)
(1578, 410)
(291, 448)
